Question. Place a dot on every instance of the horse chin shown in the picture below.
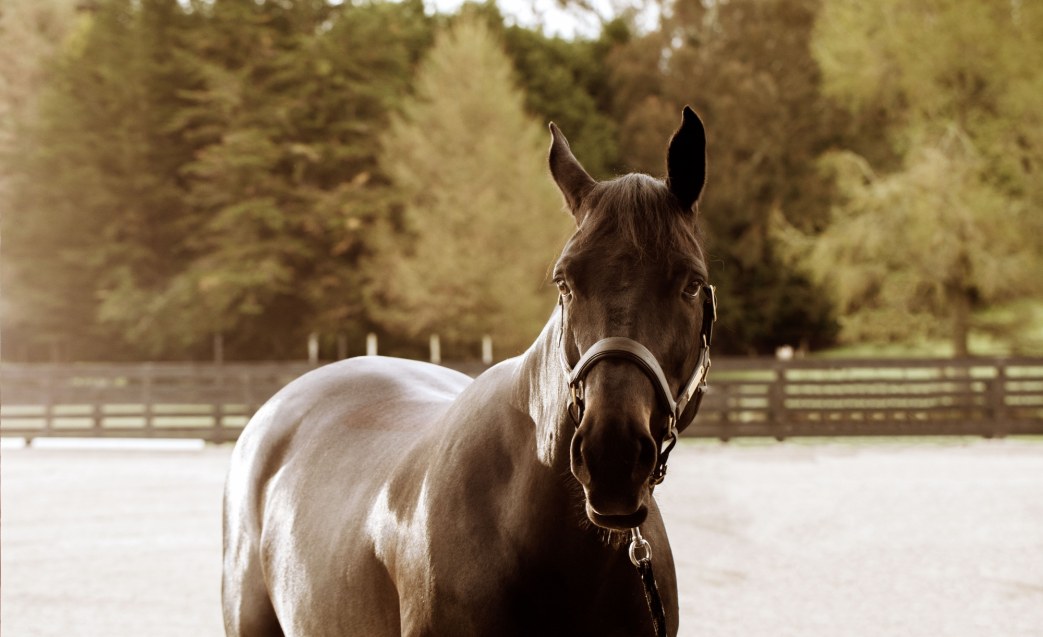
(618, 522)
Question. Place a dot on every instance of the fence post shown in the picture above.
(724, 431)
(998, 401)
(48, 408)
(436, 350)
(249, 401)
(97, 414)
(218, 405)
(487, 350)
(371, 344)
(313, 349)
(777, 402)
(146, 397)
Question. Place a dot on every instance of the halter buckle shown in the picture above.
(575, 407)
(669, 440)
(577, 391)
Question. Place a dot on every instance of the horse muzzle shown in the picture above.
(613, 462)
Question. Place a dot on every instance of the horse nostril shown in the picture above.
(646, 456)
(579, 467)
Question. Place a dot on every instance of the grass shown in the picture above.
(1027, 340)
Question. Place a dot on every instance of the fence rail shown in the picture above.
(747, 397)
(822, 397)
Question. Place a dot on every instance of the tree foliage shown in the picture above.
(746, 66)
(911, 253)
(92, 190)
(567, 82)
(263, 169)
(954, 227)
(482, 218)
(208, 169)
(30, 31)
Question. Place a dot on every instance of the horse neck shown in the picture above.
(541, 390)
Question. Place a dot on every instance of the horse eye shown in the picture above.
(563, 288)
(693, 288)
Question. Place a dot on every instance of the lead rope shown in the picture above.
(641, 557)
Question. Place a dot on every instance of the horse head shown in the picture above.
(635, 307)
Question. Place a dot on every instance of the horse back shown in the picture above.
(343, 412)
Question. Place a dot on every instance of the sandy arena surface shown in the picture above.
(906, 539)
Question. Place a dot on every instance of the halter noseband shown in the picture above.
(691, 394)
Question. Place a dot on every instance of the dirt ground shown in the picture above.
(935, 539)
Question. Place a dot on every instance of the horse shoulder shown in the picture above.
(457, 568)
(305, 475)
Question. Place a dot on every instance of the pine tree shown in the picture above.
(283, 185)
(482, 220)
(31, 36)
(565, 81)
(205, 167)
(95, 192)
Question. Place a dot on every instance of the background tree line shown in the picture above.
(174, 170)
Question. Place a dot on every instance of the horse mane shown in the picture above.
(642, 212)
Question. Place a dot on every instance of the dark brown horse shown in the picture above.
(378, 496)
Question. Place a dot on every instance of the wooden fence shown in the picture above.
(747, 397)
(871, 397)
(162, 400)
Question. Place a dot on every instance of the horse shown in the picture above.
(379, 496)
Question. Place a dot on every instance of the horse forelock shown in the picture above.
(645, 216)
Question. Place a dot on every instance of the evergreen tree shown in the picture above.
(94, 193)
(201, 168)
(284, 186)
(31, 35)
(565, 81)
(482, 220)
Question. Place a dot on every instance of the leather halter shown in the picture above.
(681, 409)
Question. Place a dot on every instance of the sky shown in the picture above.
(533, 13)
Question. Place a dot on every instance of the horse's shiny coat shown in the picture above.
(378, 496)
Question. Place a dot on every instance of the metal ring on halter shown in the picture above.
(638, 543)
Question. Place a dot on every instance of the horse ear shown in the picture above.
(686, 159)
(573, 181)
